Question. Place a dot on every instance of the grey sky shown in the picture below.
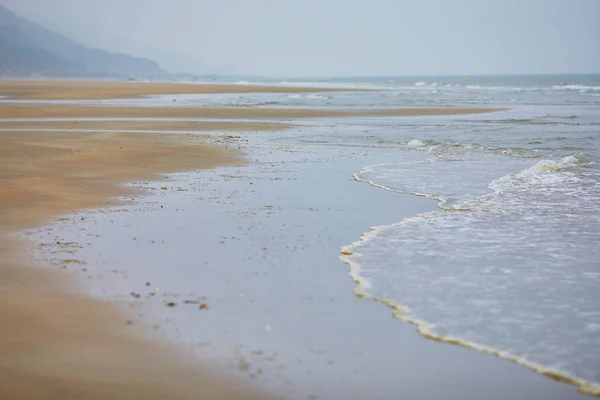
(336, 37)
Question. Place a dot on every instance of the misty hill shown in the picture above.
(27, 48)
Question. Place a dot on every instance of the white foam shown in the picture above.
(549, 166)
(415, 143)
(503, 270)
(575, 87)
(329, 85)
(544, 172)
(317, 97)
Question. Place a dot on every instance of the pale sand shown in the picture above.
(80, 90)
(56, 344)
(124, 125)
(51, 173)
(22, 111)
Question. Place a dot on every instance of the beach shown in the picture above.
(57, 343)
(90, 89)
(61, 111)
(226, 270)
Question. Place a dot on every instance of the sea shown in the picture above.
(509, 262)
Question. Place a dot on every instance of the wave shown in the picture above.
(547, 90)
(341, 85)
(544, 172)
(576, 87)
(515, 89)
(457, 149)
(310, 96)
(415, 143)
(439, 89)
(502, 300)
(349, 255)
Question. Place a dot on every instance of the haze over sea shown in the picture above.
(509, 261)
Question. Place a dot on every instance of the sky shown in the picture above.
(286, 38)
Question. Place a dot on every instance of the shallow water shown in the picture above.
(510, 261)
(259, 244)
(424, 91)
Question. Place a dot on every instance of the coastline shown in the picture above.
(74, 146)
(262, 254)
(28, 89)
(146, 125)
(58, 343)
(21, 111)
(348, 255)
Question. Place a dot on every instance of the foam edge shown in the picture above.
(402, 313)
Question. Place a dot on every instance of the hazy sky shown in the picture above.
(336, 37)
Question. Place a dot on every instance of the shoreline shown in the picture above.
(349, 255)
(23, 111)
(400, 312)
(57, 341)
(176, 249)
(155, 154)
(97, 90)
(145, 125)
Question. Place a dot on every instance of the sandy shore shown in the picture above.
(79, 90)
(258, 243)
(125, 125)
(50, 173)
(56, 344)
(60, 344)
(68, 111)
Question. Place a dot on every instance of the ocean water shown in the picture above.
(510, 262)
(422, 91)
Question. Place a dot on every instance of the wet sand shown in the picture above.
(147, 125)
(46, 174)
(70, 111)
(55, 342)
(84, 89)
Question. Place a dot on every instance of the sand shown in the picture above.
(59, 345)
(124, 125)
(56, 343)
(46, 174)
(84, 89)
(68, 111)
(259, 244)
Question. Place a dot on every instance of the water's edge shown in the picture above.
(348, 255)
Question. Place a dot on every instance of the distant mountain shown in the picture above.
(27, 48)
(25, 60)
